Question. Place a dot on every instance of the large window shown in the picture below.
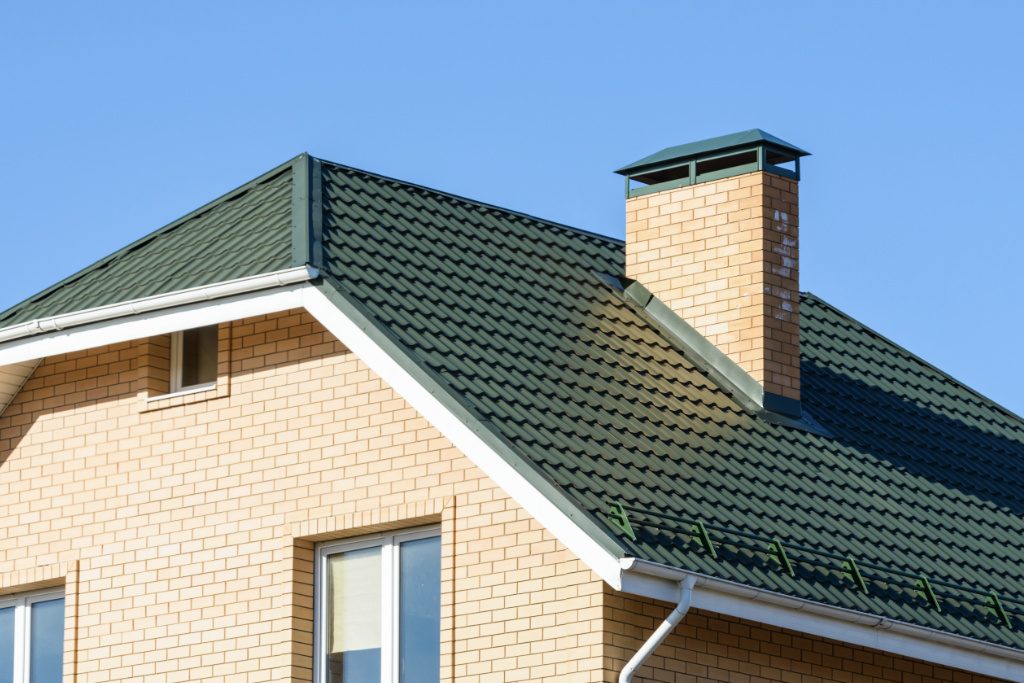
(193, 359)
(378, 609)
(32, 637)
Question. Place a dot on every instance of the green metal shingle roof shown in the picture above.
(515, 320)
(246, 232)
(920, 475)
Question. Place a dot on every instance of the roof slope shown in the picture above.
(245, 232)
(920, 477)
(517, 319)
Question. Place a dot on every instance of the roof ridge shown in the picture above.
(148, 237)
(477, 203)
(963, 385)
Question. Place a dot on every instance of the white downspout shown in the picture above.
(656, 639)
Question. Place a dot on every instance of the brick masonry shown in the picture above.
(183, 529)
(724, 256)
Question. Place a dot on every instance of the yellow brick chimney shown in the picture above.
(712, 231)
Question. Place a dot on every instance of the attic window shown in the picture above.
(193, 358)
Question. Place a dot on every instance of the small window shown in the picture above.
(193, 359)
(32, 637)
(378, 609)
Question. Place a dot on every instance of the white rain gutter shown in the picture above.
(661, 633)
(160, 301)
(899, 637)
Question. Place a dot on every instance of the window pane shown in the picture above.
(419, 607)
(199, 356)
(46, 642)
(353, 620)
(7, 645)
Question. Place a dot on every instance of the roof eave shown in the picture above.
(660, 582)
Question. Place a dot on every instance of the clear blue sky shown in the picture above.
(117, 117)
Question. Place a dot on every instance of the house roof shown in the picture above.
(525, 326)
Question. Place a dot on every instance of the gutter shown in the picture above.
(1012, 658)
(661, 633)
(160, 301)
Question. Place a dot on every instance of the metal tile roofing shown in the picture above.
(920, 476)
(516, 320)
(245, 232)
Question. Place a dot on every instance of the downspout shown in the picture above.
(659, 635)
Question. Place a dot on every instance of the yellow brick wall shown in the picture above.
(723, 255)
(708, 647)
(183, 529)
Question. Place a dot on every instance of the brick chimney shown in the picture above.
(712, 232)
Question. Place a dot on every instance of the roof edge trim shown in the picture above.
(583, 535)
(660, 582)
(227, 196)
(181, 297)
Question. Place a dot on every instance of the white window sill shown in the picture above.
(187, 391)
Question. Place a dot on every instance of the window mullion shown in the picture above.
(389, 605)
(176, 358)
(21, 626)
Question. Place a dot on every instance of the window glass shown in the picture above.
(7, 645)
(354, 626)
(419, 611)
(198, 356)
(46, 642)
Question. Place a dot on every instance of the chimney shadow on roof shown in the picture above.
(917, 439)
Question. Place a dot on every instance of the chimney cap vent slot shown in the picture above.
(711, 159)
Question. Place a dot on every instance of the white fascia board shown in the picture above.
(204, 311)
(157, 302)
(661, 582)
(603, 563)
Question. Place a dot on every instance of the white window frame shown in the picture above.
(389, 543)
(177, 351)
(22, 604)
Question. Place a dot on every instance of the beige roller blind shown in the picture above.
(354, 600)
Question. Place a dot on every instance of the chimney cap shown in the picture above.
(671, 155)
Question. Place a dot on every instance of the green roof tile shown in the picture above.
(246, 232)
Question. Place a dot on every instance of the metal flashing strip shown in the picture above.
(724, 371)
(661, 582)
(307, 211)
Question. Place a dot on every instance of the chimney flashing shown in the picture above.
(721, 369)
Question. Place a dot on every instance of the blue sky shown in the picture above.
(117, 117)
